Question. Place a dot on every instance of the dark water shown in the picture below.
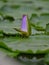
(6, 60)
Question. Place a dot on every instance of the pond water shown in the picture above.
(6, 60)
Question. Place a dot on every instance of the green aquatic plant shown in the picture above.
(24, 30)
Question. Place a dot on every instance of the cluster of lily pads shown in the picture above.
(24, 28)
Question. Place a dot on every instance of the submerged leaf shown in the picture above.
(47, 58)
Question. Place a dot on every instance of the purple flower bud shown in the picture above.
(25, 26)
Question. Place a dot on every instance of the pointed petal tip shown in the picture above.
(24, 15)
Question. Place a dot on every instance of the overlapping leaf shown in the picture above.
(37, 43)
(40, 21)
(8, 27)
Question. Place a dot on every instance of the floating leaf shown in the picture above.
(36, 43)
(39, 22)
(8, 27)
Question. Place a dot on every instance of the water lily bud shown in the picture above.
(25, 26)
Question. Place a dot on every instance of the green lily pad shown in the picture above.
(17, 11)
(33, 44)
(8, 27)
(40, 21)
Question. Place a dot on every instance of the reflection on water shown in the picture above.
(6, 60)
(33, 61)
